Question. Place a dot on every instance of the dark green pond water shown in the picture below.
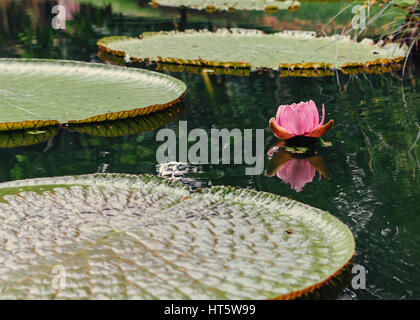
(373, 182)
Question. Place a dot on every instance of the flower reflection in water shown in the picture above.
(295, 170)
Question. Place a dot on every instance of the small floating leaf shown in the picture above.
(37, 93)
(326, 144)
(252, 49)
(297, 149)
(124, 236)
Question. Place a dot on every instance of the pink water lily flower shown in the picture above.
(300, 119)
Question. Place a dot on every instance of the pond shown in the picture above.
(370, 170)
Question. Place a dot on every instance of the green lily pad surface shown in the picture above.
(125, 236)
(229, 5)
(37, 93)
(245, 48)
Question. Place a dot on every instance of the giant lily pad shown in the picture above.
(124, 236)
(243, 48)
(37, 93)
(230, 5)
(371, 69)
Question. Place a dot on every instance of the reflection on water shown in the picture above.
(297, 171)
(374, 159)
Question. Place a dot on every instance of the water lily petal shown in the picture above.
(323, 116)
(278, 131)
(279, 113)
(318, 132)
(284, 115)
(298, 122)
(313, 113)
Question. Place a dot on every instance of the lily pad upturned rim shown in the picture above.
(352, 67)
(114, 128)
(223, 193)
(131, 126)
(119, 115)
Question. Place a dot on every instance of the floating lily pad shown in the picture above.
(127, 127)
(230, 5)
(306, 73)
(36, 93)
(252, 49)
(125, 236)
